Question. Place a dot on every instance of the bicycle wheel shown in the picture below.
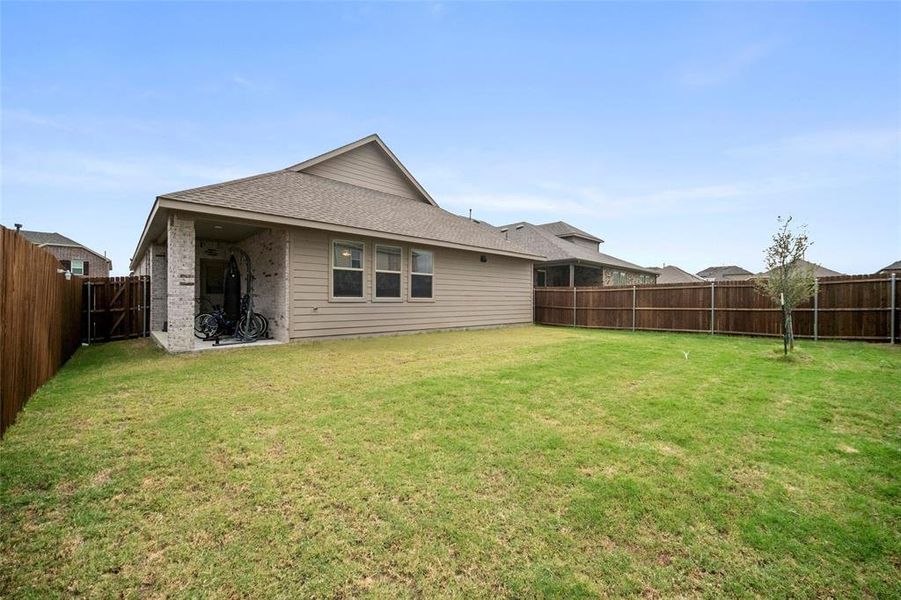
(254, 331)
(206, 326)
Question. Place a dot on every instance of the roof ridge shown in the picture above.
(221, 184)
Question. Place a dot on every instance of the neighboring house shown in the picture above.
(74, 257)
(895, 267)
(672, 274)
(725, 273)
(818, 271)
(572, 257)
(347, 243)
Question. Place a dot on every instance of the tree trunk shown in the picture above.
(786, 330)
(791, 333)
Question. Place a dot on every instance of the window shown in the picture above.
(387, 273)
(421, 274)
(618, 278)
(540, 278)
(347, 269)
(78, 267)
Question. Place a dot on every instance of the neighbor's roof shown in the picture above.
(673, 274)
(564, 229)
(818, 270)
(723, 271)
(51, 238)
(895, 266)
(306, 197)
(541, 241)
(47, 238)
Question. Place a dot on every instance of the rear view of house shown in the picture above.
(346, 243)
(572, 257)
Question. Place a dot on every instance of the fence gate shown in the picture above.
(115, 308)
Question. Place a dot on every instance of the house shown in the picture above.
(818, 270)
(725, 273)
(895, 268)
(74, 257)
(344, 244)
(671, 274)
(572, 257)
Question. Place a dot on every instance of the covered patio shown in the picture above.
(187, 263)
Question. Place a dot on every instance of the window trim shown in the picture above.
(376, 271)
(331, 272)
(72, 267)
(410, 297)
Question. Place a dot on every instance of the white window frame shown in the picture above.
(412, 273)
(400, 273)
(331, 274)
(80, 270)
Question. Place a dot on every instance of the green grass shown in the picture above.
(527, 462)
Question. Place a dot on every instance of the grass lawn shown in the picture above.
(520, 462)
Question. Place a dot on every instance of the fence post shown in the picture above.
(816, 308)
(144, 308)
(894, 307)
(633, 308)
(574, 306)
(90, 305)
(712, 309)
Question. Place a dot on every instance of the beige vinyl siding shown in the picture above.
(367, 167)
(467, 292)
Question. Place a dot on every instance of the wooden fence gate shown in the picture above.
(115, 308)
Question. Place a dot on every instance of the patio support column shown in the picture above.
(159, 276)
(180, 297)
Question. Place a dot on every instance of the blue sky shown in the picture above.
(676, 132)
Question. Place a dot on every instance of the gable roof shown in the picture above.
(294, 197)
(673, 274)
(539, 240)
(335, 163)
(48, 238)
(723, 271)
(818, 270)
(563, 229)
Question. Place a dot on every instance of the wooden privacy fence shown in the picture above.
(844, 308)
(39, 310)
(115, 308)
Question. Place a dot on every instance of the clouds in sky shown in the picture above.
(725, 67)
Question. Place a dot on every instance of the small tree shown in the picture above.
(790, 280)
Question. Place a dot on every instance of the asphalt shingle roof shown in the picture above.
(296, 195)
(541, 241)
(723, 271)
(48, 237)
(564, 229)
(818, 270)
(673, 274)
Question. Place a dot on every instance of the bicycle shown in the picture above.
(215, 324)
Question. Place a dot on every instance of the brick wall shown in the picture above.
(627, 277)
(180, 291)
(97, 265)
(268, 251)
